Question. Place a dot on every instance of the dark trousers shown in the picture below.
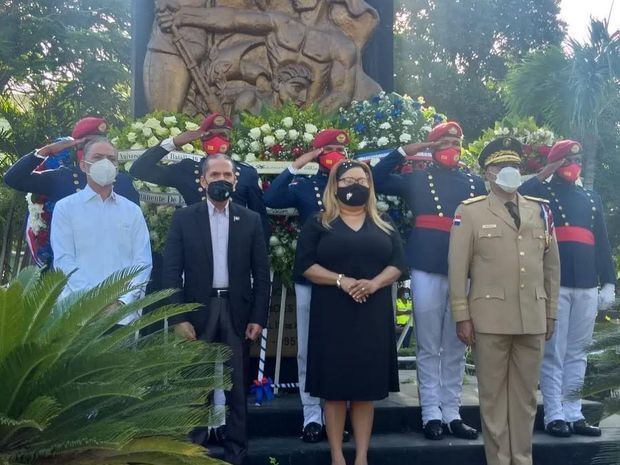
(219, 328)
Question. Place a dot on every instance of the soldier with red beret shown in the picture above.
(433, 196)
(288, 190)
(214, 132)
(56, 184)
(586, 263)
(47, 173)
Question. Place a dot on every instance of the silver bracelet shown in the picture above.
(338, 283)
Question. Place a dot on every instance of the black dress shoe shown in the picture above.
(459, 429)
(313, 432)
(433, 430)
(583, 428)
(218, 435)
(558, 428)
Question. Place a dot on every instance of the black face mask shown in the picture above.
(354, 195)
(220, 190)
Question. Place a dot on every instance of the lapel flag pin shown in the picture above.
(457, 220)
(236, 218)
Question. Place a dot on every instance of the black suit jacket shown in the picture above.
(188, 265)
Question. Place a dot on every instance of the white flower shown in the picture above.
(385, 125)
(188, 148)
(254, 133)
(382, 141)
(279, 251)
(137, 125)
(236, 157)
(161, 132)
(127, 165)
(136, 146)
(269, 141)
(280, 134)
(505, 131)
(273, 241)
(308, 137)
(175, 131)
(362, 144)
(170, 120)
(114, 141)
(421, 100)
(311, 128)
(153, 235)
(255, 146)
(190, 126)
(293, 134)
(147, 132)
(138, 185)
(265, 128)
(241, 144)
(152, 123)
(250, 157)
(427, 128)
(294, 244)
(407, 122)
(404, 137)
(392, 198)
(382, 206)
(287, 122)
(131, 136)
(152, 142)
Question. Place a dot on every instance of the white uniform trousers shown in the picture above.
(311, 405)
(440, 354)
(564, 364)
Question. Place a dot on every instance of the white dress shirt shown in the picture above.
(218, 221)
(96, 237)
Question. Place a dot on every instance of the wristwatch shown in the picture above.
(338, 280)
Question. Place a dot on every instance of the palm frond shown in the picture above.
(77, 392)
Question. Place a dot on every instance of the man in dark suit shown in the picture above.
(216, 253)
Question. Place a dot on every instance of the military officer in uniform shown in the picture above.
(586, 262)
(504, 245)
(306, 195)
(432, 196)
(61, 182)
(185, 175)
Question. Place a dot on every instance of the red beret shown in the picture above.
(90, 126)
(448, 129)
(215, 121)
(330, 137)
(563, 149)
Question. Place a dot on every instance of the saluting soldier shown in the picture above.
(305, 193)
(58, 183)
(586, 262)
(184, 176)
(432, 196)
(504, 245)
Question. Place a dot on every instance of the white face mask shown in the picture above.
(103, 172)
(508, 179)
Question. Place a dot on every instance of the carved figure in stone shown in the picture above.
(325, 37)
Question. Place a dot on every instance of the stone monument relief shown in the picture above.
(228, 56)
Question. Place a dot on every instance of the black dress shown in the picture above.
(352, 346)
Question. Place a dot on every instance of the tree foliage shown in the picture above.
(456, 53)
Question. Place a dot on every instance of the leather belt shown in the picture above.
(574, 234)
(441, 223)
(220, 293)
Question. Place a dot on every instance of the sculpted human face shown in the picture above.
(294, 90)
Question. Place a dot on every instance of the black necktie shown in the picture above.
(514, 212)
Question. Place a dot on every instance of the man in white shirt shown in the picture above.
(96, 232)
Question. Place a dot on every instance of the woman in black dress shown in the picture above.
(352, 256)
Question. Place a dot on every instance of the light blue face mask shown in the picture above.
(406, 296)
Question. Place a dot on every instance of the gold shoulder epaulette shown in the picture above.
(535, 199)
(474, 200)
